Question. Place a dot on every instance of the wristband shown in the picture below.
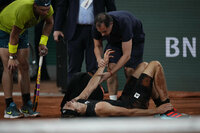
(12, 48)
(43, 40)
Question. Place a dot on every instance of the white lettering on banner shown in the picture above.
(192, 47)
(171, 44)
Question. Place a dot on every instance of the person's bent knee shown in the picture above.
(155, 63)
(144, 64)
(24, 66)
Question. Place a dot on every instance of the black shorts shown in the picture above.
(136, 54)
(137, 94)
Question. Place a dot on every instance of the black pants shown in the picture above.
(80, 46)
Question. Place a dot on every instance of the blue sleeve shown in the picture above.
(127, 29)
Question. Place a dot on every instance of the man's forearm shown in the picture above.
(14, 35)
(98, 49)
(92, 85)
(122, 61)
(96, 79)
(126, 49)
(48, 26)
(13, 41)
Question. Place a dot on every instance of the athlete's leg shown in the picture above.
(128, 71)
(139, 70)
(138, 89)
(155, 70)
(7, 77)
(131, 81)
(23, 67)
(24, 83)
(11, 110)
(135, 60)
(112, 82)
(159, 93)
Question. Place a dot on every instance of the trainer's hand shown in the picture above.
(43, 50)
(101, 63)
(107, 56)
(56, 34)
(104, 62)
(12, 64)
(164, 108)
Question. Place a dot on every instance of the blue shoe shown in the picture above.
(27, 110)
(172, 114)
(12, 112)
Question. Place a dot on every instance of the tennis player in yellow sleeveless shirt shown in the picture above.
(15, 19)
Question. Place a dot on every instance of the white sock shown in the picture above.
(113, 97)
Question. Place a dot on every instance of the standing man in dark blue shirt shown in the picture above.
(73, 21)
(125, 36)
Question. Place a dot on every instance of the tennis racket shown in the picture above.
(37, 86)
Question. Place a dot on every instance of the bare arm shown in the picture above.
(48, 26)
(104, 109)
(92, 85)
(95, 80)
(14, 38)
(14, 35)
(126, 49)
(98, 49)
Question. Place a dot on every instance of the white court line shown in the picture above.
(102, 125)
(41, 94)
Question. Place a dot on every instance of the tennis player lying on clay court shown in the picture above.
(148, 81)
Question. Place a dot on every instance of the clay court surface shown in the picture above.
(50, 99)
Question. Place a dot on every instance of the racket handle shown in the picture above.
(40, 61)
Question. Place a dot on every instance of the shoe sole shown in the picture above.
(7, 116)
(28, 115)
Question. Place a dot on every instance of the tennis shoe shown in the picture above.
(12, 112)
(27, 110)
(173, 114)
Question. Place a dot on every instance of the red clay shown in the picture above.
(49, 106)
